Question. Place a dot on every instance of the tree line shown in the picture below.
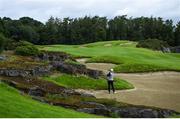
(90, 29)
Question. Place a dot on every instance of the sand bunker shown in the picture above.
(159, 89)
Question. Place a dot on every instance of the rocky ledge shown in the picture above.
(31, 72)
(54, 56)
(48, 92)
(58, 62)
(77, 69)
(2, 58)
(27, 82)
(129, 112)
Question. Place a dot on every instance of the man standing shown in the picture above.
(110, 80)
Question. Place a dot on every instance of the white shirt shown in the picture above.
(110, 78)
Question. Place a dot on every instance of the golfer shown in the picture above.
(110, 81)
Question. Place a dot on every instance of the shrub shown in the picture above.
(27, 50)
(24, 43)
(12, 44)
(2, 42)
(153, 44)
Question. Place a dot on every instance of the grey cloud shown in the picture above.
(43, 9)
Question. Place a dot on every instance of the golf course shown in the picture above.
(124, 54)
(70, 81)
(155, 75)
(89, 59)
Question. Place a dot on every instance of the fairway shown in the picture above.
(123, 53)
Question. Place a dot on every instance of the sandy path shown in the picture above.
(159, 89)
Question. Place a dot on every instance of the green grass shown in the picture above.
(124, 54)
(175, 116)
(12, 104)
(130, 68)
(72, 62)
(82, 82)
(112, 43)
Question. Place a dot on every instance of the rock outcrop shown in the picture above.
(58, 61)
(36, 91)
(54, 56)
(3, 58)
(31, 72)
(76, 69)
(136, 112)
(175, 49)
(97, 111)
(48, 92)
(129, 112)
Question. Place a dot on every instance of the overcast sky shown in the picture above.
(43, 9)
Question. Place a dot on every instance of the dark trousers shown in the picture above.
(111, 85)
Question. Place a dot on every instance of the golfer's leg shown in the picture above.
(109, 86)
(112, 84)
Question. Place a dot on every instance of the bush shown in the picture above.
(12, 44)
(24, 43)
(2, 42)
(27, 50)
(153, 44)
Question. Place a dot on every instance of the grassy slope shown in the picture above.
(12, 104)
(82, 82)
(124, 53)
